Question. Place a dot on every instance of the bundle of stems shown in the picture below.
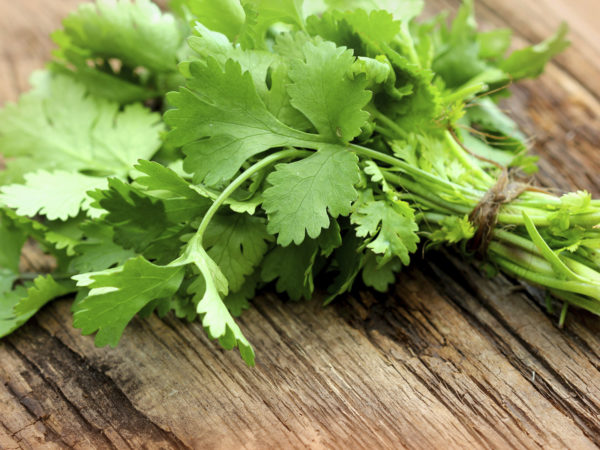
(548, 240)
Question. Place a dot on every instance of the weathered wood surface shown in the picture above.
(448, 359)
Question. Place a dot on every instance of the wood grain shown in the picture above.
(448, 359)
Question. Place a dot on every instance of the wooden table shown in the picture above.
(447, 359)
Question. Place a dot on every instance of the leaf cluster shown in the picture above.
(300, 141)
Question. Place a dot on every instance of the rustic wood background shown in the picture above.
(447, 359)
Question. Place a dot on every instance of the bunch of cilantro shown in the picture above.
(180, 161)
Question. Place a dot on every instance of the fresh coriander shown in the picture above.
(299, 138)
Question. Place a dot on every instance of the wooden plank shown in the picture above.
(448, 359)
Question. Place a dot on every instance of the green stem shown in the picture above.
(516, 240)
(427, 204)
(389, 123)
(385, 132)
(549, 281)
(522, 258)
(415, 172)
(241, 179)
(465, 91)
(466, 160)
(416, 188)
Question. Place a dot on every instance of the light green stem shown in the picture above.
(466, 160)
(241, 179)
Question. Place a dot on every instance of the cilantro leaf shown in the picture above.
(208, 43)
(57, 126)
(236, 243)
(138, 220)
(238, 302)
(12, 239)
(457, 58)
(221, 122)
(391, 225)
(208, 291)
(144, 41)
(117, 295)
(529, 62)
(404, 10)
(292, 267)
(19, 305)
(64, 235)
(97, 251)
(348, 261)
(9, 322)
(303, 194)
(226, 16)
(493, 44)
(43, 289)
(325, 94)
(377, 275)
(454, 229)
(269, 12)
(56, 195)
(181, 201)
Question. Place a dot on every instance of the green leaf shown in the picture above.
(44, 289)
(98, 251)
(138, 219)
(391, 225)
(181, 200)
(56, 195)
(238, 302)
(27, 227)
(12, 239)
(490, 117)
(377, 275)
(348, 259)
(225, 16)
(269, 12)
(7, 279)
(292, 267)
(457, 58)
(303, 194)
(9, 321)
(65, 235)
(404, 10)
(367, 33)
(221, 122)
(117, 295)
(57, 126)
(530, 61)
(236, 243)
(135, 34)
(494, 44)
(209, 290)
(209, 43)
(325, 94)
(19, 305)
(184, 308)
(273, 11)
(454, 229)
